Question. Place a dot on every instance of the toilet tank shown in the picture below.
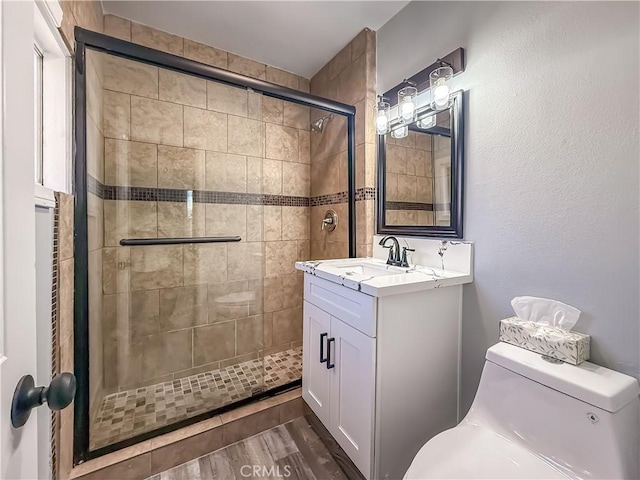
(584, 419)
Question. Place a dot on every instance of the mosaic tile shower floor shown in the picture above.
(126, 414)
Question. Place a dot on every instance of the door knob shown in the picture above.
(58, 395)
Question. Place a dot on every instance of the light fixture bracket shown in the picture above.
(381, 101)
(455, 60)
(444, 64)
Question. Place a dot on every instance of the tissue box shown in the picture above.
(570, 347)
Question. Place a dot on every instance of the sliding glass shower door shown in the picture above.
(177, 266)
(194, 200)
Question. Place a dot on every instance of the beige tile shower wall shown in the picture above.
(82, 13)
(329, 176)
(278, 171)
(95, 225)
(410, 177)
(86, 14)
(166, 42)
(285, 229)
(64, 303)
(201, 302)
(349, 78)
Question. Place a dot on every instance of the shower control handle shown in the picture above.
(330, 221)
(322, 357)
(58, 395)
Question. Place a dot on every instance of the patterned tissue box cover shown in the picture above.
(570, 347)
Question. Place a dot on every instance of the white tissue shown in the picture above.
(546, 312)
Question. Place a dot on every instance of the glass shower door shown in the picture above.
(176, 320)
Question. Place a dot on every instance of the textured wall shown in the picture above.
(551, 160)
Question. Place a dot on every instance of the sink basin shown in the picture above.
(367, 270)
(374, 277)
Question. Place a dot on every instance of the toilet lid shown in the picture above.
(477, 453)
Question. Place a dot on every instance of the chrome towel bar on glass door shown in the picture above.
(176, 240)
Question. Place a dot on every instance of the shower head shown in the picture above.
(318, 125)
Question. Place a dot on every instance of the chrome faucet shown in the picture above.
(394, 252)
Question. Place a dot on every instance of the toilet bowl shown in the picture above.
(536, 419)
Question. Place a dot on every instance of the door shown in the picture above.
(18, 447)
(173, 262)
(316, 376)
(352, 392)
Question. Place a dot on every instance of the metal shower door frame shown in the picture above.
(121, 48)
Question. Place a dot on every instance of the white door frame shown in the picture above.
(18, 447)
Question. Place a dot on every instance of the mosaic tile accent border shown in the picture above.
(408, 206)
(55, 338)
(126, 414)
(144, 194)
(95, 186)
(331, 199)
(365, 193)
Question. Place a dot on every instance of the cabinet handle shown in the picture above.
(322, 357)
(329, 342)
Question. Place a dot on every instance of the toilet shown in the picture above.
(537, 418)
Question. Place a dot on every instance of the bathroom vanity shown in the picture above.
(381, 357)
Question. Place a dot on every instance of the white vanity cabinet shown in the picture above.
(381, 373)
(339, 383)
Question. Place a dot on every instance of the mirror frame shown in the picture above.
(454, 230)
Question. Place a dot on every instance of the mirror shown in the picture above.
(420, 176)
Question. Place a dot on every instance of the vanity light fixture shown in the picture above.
(417, 99)
(407, 103)
(383, 116)
(400, 132)
(440, 86)
(426, 122)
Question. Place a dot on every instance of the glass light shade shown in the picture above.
(400, 132)
(383, 116)
(440, 83)
(407, 104)
(426, 122)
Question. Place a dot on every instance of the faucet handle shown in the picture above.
(404, 262)
(391, 257)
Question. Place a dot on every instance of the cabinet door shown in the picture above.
(315, 376)
(352, 392)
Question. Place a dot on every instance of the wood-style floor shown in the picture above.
(290, 451)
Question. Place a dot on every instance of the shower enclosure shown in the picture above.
(193, 201)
